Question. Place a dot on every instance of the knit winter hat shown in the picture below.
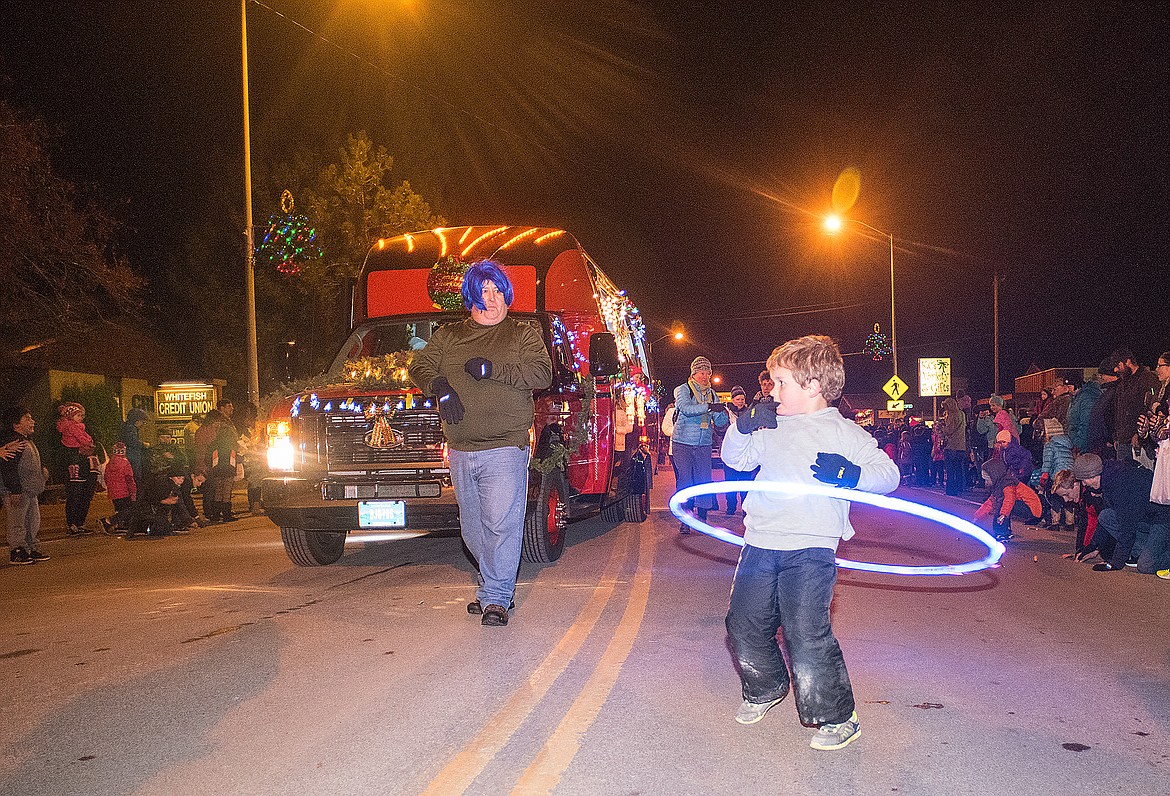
(119, 449)
(1003, 436)
(1086, 465)
(70, 409)
(737, 390)
(700, 363)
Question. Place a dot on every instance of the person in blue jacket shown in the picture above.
(699, 414)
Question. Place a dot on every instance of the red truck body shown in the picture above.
(366, 457)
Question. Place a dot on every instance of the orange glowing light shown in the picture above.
(833, 223)
(519, 238)
(463, 237)
(442, 242)
(409, 242)
(556, 233)
(482, 238)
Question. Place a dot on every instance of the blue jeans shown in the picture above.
(492, 490)
(789, 591)
(693, 466)
(1125, 538)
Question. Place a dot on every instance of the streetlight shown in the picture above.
(250, 267)
(834, 224)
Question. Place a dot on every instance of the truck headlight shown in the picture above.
(280, 447)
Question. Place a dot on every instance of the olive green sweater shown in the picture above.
(498, 411)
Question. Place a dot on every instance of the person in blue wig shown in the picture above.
(483, 370)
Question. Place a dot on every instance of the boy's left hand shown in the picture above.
(835, 469)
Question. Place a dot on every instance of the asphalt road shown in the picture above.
(210, 664)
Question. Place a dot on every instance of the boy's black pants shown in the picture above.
(789, 591)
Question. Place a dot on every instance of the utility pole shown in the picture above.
(995, 328)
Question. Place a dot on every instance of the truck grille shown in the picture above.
(345, 434)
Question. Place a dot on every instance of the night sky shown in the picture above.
(690, 146)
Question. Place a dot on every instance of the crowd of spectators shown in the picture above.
(1091, 460)
(152, 486)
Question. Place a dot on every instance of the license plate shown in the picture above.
(382, 514)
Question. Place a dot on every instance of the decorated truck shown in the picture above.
(359, 452)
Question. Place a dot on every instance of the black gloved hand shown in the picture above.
(835, 469)
(716, 408)
(478, 368)
(450, 407)
(762, 415)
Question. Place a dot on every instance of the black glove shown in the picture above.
(450, 407)
(478, 368)
(762, 415)
(835, 469)
(716, 408)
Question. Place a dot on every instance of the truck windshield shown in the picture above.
(388, 337)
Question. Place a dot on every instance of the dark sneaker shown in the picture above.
(1132, 562)
(751, 712)
(107, 526)
(476, 609)
(837, 736)
(79, 530)
(1105, 566)
(37, 555)
(494, 616)
(20, 556)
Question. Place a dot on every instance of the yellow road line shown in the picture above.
(550, 764)
(462, 770)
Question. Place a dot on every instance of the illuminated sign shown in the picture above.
(895, 387)
(183, 401)
(934, 376)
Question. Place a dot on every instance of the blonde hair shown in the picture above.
(813, 356)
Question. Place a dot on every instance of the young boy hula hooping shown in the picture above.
(787, 569)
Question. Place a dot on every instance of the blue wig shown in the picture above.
(473, 281)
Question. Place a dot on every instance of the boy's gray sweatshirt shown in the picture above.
(793, 522)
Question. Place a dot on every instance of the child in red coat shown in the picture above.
(121, 487)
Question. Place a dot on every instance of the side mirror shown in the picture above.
(603, 355)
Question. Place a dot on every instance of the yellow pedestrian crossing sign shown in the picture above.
(895, 387)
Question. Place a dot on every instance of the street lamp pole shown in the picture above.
(833, 224)
(249, 233)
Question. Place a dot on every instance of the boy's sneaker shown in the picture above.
(1164, 574)
(751, 712)
(37, 555)
(837, 736)
(107, 526)
(20, 556)
(78, 530)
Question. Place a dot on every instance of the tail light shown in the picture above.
(280, 446)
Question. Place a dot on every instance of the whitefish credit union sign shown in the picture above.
(184, 401)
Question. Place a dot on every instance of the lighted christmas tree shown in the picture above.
(290, 240)
(877, 344)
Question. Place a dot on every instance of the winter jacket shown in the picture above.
(1132, 390)
(120, 481)
(954, 426)
(695, 423)
(1057, 455)
(23, 474)
(135, 449)
(1079, 410)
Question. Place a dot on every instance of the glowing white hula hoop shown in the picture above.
(995, 549)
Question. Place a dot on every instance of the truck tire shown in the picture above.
(545, 521)
(310, 548)
(614, 512)
(637, 504)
